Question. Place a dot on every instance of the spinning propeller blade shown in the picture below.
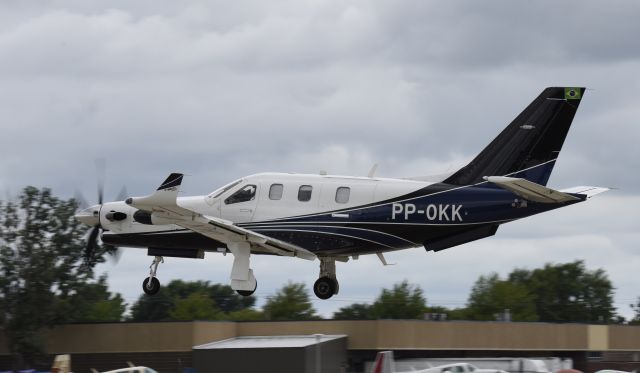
(92, 239)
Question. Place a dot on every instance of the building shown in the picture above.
(168, 346)
(317, 353)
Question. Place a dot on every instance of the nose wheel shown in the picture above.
(151, 284)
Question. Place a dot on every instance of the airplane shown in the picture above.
(385, 363)
(62, 364)
(336, 218)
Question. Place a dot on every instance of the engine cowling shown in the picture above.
(142, 217)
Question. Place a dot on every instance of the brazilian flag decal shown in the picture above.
(572, 93)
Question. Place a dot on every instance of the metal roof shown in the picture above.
(279, 341)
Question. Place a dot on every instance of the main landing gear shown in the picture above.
(151, 285)
(242, 279)
(327, 285)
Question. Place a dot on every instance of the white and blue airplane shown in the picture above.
(330, 217)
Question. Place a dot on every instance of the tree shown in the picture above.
(221, 303)
(356, 311)
(153, 307)
(228, 300)
(41, 262)
(569, 293)
(290, 303)
(404, 301)
(636, 309)
(196, 306)
(246, 314)
(91, 302)
(491, 296)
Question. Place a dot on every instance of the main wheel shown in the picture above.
(151, 287)
(246, 293)
(325, 287)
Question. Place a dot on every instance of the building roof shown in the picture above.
(276, 341)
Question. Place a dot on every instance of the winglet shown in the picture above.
(165, 195)
(588, 191)
(173, 181)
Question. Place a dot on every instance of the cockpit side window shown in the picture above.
(246, 193)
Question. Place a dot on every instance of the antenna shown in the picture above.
(372, 171)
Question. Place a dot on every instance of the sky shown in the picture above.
(222, 89)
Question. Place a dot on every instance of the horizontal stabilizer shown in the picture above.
(530, 190)
(588, 191)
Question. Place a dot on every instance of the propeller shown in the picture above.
(91, 215)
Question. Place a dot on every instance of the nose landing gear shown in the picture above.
(151, 285)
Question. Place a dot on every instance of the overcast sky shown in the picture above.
(222, 89)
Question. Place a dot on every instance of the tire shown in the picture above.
(325, 287)
(246, 293)
(152, 287)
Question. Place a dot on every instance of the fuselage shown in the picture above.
(334, 215)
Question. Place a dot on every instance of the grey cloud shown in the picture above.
(223, 89)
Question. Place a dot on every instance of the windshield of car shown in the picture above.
(216, 193)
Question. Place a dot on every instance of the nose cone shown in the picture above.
(89, 216)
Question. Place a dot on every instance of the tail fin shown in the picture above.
(530, 145)
(384, 362)
(61, 364)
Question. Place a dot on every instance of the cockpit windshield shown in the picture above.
(216, 193)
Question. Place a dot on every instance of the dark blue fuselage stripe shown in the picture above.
(381, 238)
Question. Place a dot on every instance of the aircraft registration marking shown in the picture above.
(441, 212)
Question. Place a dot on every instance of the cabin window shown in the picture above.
(247, 193)
(454, 369)
(342, 194)
(275, 191)
(304, 193)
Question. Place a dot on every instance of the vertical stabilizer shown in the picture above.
(384, 363)
(530, 145)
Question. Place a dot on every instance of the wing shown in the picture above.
(163, 207)
(530, 190)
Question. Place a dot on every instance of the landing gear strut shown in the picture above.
(327, 285)
(242, 279)
(151, 285)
